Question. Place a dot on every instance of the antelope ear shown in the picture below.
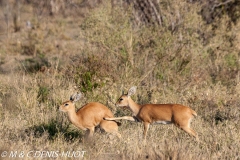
(75, 97)
(132, 91)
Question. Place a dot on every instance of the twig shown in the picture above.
(221, 4)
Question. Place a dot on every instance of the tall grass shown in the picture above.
(102, 55)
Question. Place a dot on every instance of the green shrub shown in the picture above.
(43, 93)
(34, 64)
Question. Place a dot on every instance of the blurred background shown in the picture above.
(183, 51)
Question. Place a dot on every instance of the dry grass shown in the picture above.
(101, 55)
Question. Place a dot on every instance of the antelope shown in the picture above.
(89, 116)
(148, 114)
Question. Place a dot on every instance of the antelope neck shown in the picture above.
(134, 106)
(73, 116)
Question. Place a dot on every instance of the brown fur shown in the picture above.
(90, 116)
(177, 114)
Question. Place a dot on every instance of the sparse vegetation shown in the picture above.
(96, 49)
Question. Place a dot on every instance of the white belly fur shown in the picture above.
(162, 122)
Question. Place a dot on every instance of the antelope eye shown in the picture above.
(66, 104)
(120, 99)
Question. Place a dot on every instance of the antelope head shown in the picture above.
(69, 105)
(123, 101)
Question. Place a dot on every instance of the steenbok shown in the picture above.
(177, 114)
(89, 116)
